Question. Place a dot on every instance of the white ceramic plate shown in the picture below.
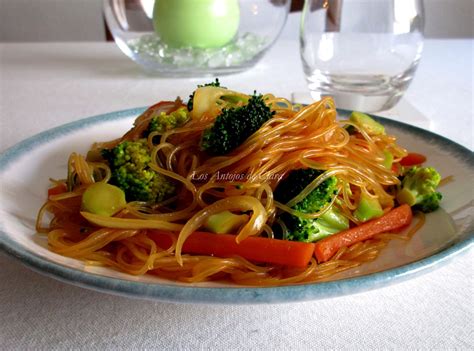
(26, 168)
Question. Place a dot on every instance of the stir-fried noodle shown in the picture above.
(242, 181)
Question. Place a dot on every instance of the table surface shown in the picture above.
(48, 84)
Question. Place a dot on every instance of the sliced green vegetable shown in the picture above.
(388, 159)
(225, 222)
(103, 199)
(367, 123)
(368, 208)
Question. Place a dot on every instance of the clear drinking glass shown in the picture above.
(364, 53)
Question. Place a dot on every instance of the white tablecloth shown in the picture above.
(49, 84)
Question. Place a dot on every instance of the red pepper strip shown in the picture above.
(413, 159)
(57, 189)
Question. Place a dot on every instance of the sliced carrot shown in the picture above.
(57, 189)
(395, 219)
(413, 159)
(257, 249)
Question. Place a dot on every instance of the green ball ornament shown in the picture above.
(196, 23)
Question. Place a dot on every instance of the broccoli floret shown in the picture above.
(234, 125)
(310, 230)
(216, 83)
(418, 189)
(164, 122)
(129, 162)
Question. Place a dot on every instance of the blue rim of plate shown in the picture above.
(223, 295)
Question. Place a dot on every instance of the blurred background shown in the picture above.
(74, 20)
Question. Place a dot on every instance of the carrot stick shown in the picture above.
(413, 159)
(395, 219)
(264, 250)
